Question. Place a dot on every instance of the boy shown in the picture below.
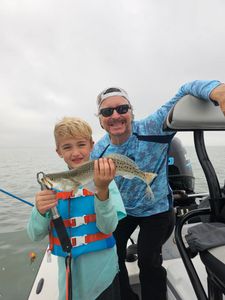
(93, 271)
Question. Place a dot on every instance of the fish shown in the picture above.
(83, 175)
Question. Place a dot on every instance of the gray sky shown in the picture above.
(56, 56)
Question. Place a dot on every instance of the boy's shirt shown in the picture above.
(92, 273)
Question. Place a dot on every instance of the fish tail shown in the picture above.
(149, 177)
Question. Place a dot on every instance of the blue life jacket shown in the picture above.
(79, 217)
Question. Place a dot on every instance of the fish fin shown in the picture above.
(128, 176)
(90, 186)
(75, 185)
(122, 157)
(74, 190)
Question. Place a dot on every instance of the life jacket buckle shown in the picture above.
(78, 221)
(78, 240)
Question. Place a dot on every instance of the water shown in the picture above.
(18, 170)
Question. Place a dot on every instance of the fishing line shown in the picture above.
(14, 196)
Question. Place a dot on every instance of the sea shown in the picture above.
(18, 170)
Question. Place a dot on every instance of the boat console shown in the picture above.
(208, 237)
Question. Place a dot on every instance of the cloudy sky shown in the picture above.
(56, 56)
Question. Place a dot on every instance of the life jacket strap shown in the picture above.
(78, 221)
(84, 239)
(64, 195)
(87, 192)
(70, 194)
(68, 260)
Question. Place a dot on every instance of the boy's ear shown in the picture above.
(58, 152)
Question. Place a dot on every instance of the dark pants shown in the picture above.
(112, 292)
(154, 231)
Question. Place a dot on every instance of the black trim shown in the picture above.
(162, 139)
(103, 152)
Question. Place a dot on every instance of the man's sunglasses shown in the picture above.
(108, 111)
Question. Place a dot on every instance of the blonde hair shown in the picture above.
(71, 127)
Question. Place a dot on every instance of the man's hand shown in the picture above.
(218, 95)
(104, 172)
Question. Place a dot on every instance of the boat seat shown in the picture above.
(214, 261)
(208, 239)
(192, 113)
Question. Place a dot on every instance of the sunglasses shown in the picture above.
(108, 111)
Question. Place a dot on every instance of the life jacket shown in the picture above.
(79, 218)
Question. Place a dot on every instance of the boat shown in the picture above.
(191, 275)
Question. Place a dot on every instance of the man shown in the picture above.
(147, 144)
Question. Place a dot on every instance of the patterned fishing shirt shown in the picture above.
(148, 146)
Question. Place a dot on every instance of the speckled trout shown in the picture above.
(83, 175)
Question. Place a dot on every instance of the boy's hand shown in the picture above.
(104, 172)
(45, 200)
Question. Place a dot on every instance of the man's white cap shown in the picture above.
(110, 92)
